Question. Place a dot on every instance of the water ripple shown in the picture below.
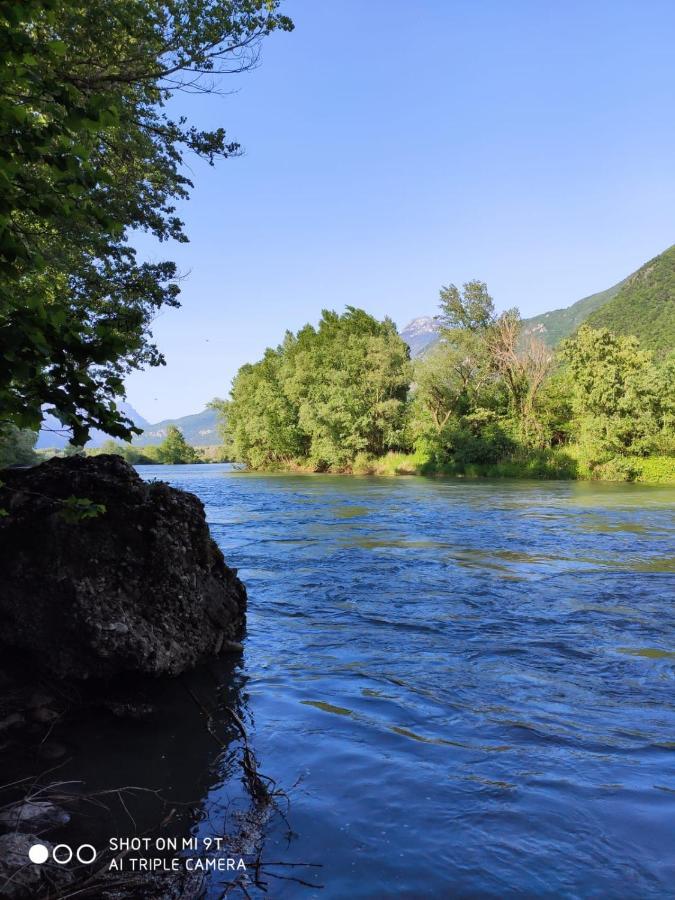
(474, 681)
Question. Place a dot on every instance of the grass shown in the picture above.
(655, 469)
(561, 463)
(542, 464)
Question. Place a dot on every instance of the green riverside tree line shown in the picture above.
(489, 399)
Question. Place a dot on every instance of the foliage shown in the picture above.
(174, 449)
(448, 383)
(348, 380)
(619, 400)
(469, 309)
(535, 464)
(655, 469)
(135, 456)
(478, 390)
(487, 442)
(89, 155)
(17, 446)
(260, 418)
(324, 395)
(644, 306)
(554, 407)
(76, 509)
(487, 400)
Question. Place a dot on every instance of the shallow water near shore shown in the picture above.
(467, 688)
(470, 684)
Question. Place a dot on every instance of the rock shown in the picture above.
(33, 815)
(99, 597)
(22, 880)
(37, 698)
(44, 715)
(11, 721)
(140, 712)
(52, 750)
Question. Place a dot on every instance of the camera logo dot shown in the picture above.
(38, 854)
(62, 854)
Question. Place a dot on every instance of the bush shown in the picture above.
(491, 444)
(616, 469)
(656, 469)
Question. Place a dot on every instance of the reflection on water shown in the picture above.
(142, 762)
(471, 686)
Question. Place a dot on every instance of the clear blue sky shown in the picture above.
(391, 147)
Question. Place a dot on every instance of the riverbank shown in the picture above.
(566, 464)
(143, 454)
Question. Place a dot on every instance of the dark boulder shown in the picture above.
(140, 587)
(32, 814)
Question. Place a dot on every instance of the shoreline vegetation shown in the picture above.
(143, 455)
(490, 399)
(563, 465)
(551, 466)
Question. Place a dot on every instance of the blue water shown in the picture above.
(467, 688)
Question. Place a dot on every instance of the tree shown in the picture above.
(175, 450)
(112, 447)
(324, 395)
(261, 419)
(442, 385)
(17, 446)
(88, 155)
(471, 309)
(478, 391)
(348, 380)
(465, 320)
(225, 452)
(619, 402)
(524, 364)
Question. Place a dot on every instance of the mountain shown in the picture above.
(557, 324)
(199, 429)
(644, 306)
(420, 334)
(52, 433)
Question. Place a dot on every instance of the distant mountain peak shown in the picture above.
(133, 414)
(420, 333)
(421, 325)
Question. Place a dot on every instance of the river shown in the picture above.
(466, 688)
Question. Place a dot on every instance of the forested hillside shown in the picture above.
(552, 327)
(644, 306)
(199, 429)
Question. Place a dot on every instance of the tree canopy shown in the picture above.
(175, 450)
(324, 395)
(345, 392)
(620, 398)
(89, 154)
